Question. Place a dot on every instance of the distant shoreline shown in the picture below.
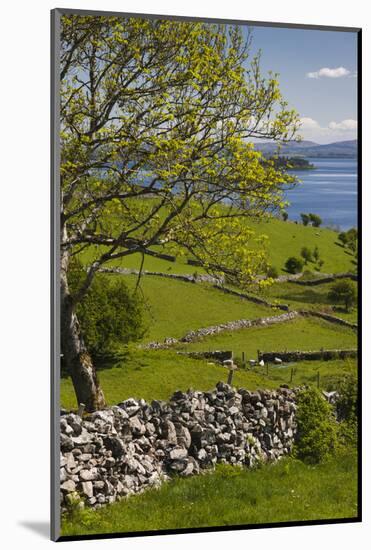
(310, 149)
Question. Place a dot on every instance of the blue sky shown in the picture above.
(317, 77)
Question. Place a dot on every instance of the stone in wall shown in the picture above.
(127, 448)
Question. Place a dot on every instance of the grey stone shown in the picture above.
(136, 426)
(85, 457)
(115, 445)
(65, 427)
(68, 486)
(150, 428)
(87, 488)
(83, 438)
(202, 455)
(178, 465)
(176, 454)
(88, 475)
(66, 443)
(169, 431)
(71, 462)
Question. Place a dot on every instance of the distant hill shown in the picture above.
(311, 149)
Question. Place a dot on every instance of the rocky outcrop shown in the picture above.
(127, 448)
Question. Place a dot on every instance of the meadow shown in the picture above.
(152, 374)
(287, 491)
(284, 239)
(172, 308)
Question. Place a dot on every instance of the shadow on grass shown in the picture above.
(308, 296)
(105, 362)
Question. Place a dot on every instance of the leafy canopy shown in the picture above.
(316, 427)
(157, 119)
(343, 292)
(109, 314)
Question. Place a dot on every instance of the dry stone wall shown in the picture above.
(198, 278)
(127, 448)
(200, 333)
(330, 318)
(238, 325)
(324, 278)
(317, 355)
(251, 298)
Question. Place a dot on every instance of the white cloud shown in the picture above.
(338, 72)
(308, 123)
(334, 131)
(347, 124)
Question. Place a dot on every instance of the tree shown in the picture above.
(285, 216)
(157, 123)
(306, 254)
(304, 218)
(343, 238)
(294, 265)
(343, 292)
(349, 239)
(352, 239)
(110, 314)
(315, 220)
(316, 254)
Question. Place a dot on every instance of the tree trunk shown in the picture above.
(75, 354)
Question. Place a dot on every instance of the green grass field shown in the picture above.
(173, 308)
(307, 297)
(158, 374)
(286, 491)
(284, 239)
(287, 239)
(297, 334)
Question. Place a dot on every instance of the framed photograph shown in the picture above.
(206, 190)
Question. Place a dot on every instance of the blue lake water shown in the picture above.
(330, 190)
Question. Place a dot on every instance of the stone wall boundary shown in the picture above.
(125, 449)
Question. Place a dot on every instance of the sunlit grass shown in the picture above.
(286, 491)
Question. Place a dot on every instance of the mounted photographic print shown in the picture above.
(205, 293)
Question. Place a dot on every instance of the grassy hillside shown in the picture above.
(298, 334)
(175, 307)
(306, 297)
(285, 239)
(286, 491)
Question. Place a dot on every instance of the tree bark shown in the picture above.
(75, 354)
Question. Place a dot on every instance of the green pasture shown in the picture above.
(288, 491)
